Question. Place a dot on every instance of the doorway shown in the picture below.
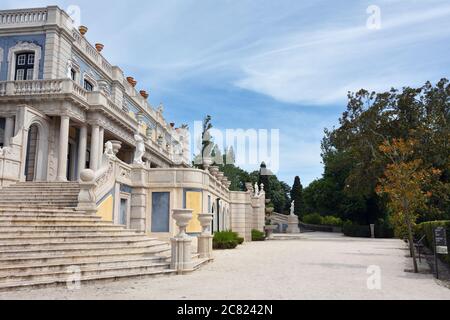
(32, 147)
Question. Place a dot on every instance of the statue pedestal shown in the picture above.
(293, 223)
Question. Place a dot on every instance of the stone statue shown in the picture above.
(140, 150)
(160, 109)
(109, 149)
(256, 190)
(293, 208)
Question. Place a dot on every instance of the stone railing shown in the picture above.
(23, 17)
(95, 185)
(187, 178)
(89, 51)
(42, 87)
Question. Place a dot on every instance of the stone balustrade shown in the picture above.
(23, 17)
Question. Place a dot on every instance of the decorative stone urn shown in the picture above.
(228, 184)
(207, 162)
(134, 83)
(99, 47)
(181, 252)
(205, 240)
(225, 180)
(83, 30)
(269, 229)
(182, 218)
(130, 80)
(116, 146)
(205, 221)
(214, 170)
(144, 94)
(220, 176)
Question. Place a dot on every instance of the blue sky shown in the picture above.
(268, 64)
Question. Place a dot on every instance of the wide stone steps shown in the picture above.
(58, 228)
(81, 255)
(7, 286)
(43, 239)
(64, 266)
(73, 244)
(22, 222)
(85, 272)
(13, 238)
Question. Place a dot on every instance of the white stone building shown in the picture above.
(62, 102)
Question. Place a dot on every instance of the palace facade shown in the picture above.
(70, 117)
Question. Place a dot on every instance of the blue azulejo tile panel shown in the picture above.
(160, 211)
(7, 42)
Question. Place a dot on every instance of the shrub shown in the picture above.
(226, 240)
(353, 230)
(258, 235)
(314, 218)
(332, 221)
(384, 230)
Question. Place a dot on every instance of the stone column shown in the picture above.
(9, 130)
(101, 146)
(94, 147)
(82, 145)
(63, 148)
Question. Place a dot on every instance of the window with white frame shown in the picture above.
(24, 66)
(23, 61)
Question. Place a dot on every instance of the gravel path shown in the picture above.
(320, 266)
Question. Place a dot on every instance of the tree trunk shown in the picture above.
(411, 245)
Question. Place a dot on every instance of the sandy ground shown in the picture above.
(318, 267)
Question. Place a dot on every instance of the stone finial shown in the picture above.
(99, 47)
(83, 30)
(261, 188)
(249, 187)
(256, 190)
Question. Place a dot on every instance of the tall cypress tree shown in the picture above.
(297, 196)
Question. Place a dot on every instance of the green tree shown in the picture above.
(297, 196)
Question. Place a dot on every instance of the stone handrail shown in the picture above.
(95, 185)
(25, 16)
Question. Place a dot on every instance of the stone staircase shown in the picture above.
(45, 242)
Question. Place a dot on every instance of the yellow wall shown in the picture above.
(106, 209)
(194, 202)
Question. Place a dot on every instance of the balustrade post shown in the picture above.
(86, 198)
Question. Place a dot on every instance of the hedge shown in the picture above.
(382, 231)
(226, 240)
(426, 229)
